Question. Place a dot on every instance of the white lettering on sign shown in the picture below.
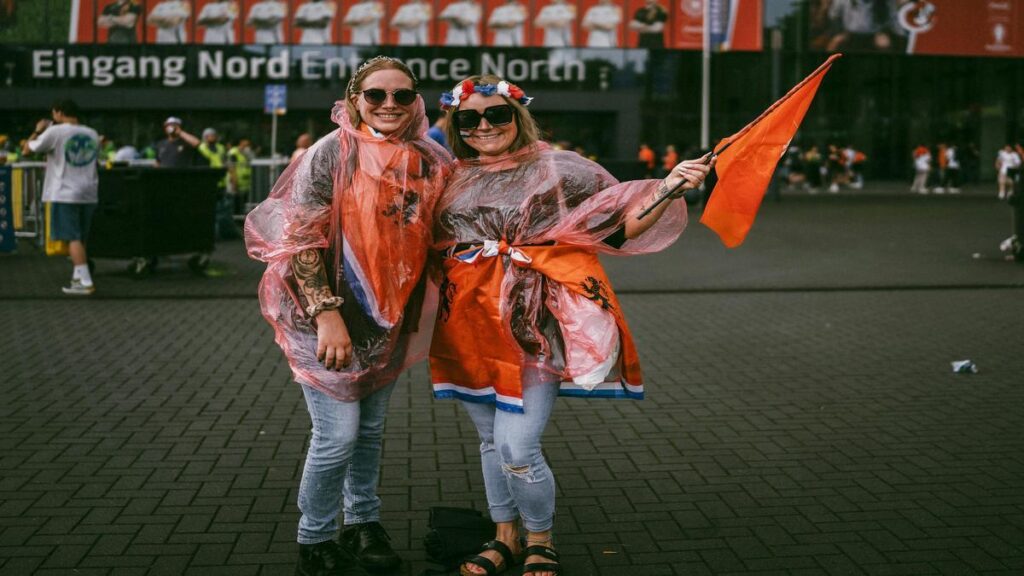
(213, 64)
(106, 70)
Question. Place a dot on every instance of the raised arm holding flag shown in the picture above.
(746, 161)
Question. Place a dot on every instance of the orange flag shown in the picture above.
(747, 159)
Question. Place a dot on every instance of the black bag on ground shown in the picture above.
(456, 533)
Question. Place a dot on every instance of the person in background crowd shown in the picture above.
(108, 148)
(647, 159)
(855, 162)
(668, 160)
(951, 181)
(126, 153)
(315, 19)
(507, 22)
(940, 174)
(169, 18)
(649, 22)
(240, 171)
(813, 169)
(216, 155)
(177, 150)
(267, 17)
(70, 184)
(302, 143)
(412, 20)
(437, 131)
(350, 324)
(922, 168)
(602, 23)
(8, 153)
(119, 18)
(836, 169)
(1008, 163)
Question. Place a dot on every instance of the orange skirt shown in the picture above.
(474, 356)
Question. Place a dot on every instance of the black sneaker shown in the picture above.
(327, 559)
(370, 543)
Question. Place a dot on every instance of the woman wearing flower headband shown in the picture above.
(526, 311)
(345, 234)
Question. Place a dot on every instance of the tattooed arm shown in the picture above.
(692, 171)
(333, 344)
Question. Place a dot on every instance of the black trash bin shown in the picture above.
(145, 213)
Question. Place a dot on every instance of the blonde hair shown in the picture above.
(527, 133)
(365, 69)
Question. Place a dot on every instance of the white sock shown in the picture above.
(82, 273)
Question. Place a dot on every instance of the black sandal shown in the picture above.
(490, 569)
(548, 552)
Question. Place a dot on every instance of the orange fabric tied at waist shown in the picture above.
(473, 348)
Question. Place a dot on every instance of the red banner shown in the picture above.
(736, 25)
(978, 28)
(933, 27)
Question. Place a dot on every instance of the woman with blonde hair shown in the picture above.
(526, 311)
(345, 234)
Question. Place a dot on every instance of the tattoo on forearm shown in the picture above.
(308, 267)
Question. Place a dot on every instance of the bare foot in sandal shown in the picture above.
(541, 558)
(498, 555)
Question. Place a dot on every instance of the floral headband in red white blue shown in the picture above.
(463, 89)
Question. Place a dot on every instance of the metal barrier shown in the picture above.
(30, 215)
(27, 187)
(265, 172)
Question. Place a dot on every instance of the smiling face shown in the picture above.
(487, 140)
(389, 116)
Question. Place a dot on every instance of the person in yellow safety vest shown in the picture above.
(214, 152)
(217, 155)
(240, 167)
(8, 155)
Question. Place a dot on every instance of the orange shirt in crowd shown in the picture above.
(670, 159)
(646, 156)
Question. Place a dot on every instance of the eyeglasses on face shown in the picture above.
(499, 115)
(377, 96)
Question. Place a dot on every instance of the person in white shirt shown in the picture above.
(1008, 163)
(463, 19)
(952, 178)
(364, 20)
(219, 20)
(602, 21)
(267, 17)
(412, 20)
(507, 22)
(557, 20)
(169, 18)
(70, 185)
(314, 18)
(922, 168)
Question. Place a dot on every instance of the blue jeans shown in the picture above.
(343, 462)
(517, 479)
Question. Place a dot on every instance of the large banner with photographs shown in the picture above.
(931, 27)
(657, 24)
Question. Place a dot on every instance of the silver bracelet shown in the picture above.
(332, 303)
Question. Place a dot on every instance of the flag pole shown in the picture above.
(705, 78)
(820, 70)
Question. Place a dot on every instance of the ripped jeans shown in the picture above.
(516, 476)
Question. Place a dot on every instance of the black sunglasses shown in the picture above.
(499, 115)
(377, 96)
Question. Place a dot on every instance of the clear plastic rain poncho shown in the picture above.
(367, 201)
(525, 299)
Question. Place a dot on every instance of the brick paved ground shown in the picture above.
(793, 426)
